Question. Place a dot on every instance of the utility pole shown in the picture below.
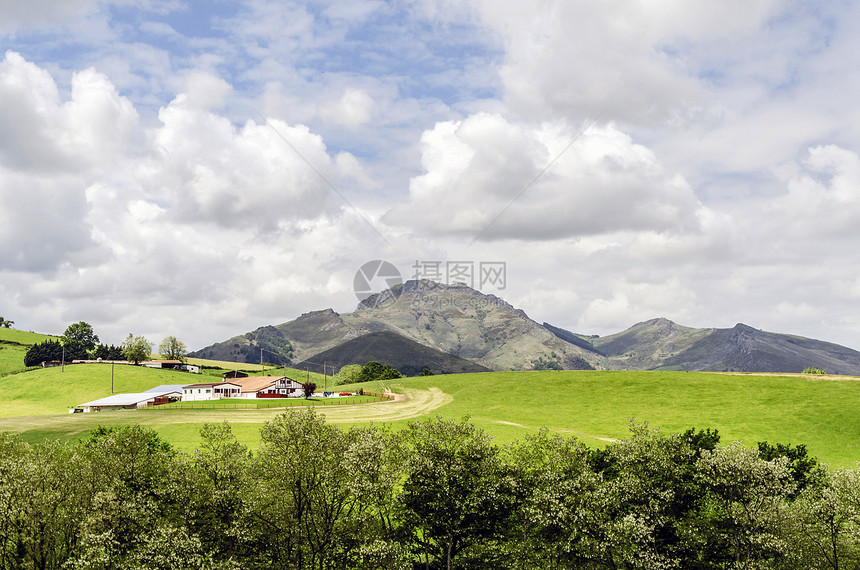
(111, 377)
(325, 379)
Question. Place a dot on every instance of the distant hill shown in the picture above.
(266, 344)
(407, 356)
(663, 344)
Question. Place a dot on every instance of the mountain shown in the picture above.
(407, 356)
(663, 344)
(264, 344)
(453, 319)
(449, 321)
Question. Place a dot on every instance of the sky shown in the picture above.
(201, 169)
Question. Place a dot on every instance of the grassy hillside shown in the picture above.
(595, 406)
(55, 390)
(824, 414)
(13, 347)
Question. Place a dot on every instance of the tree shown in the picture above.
(82, 333)
(47, 351)
(373, 371)
(136, 348)
(106, 352)
(347, 374)
(745, 496)
(5, 323)
(456, 499)
(308, 389)
(311, 504)
(172, 348)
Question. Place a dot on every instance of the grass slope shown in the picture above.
(595, 406)
(55, 390)
(13, 347)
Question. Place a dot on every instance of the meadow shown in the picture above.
(594, 406)
(13, 347)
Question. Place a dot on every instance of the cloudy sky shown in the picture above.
(200, 169)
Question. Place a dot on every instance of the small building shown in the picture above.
(235, 374)
(163, 364)
(131, 401)
(283, 387)
(210, 391)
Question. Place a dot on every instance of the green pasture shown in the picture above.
(55, 390)
(13, 347)
(23, 337)
(594, 406)
(822, 412)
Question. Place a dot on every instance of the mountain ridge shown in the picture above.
(487, 330)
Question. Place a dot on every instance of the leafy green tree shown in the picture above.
(746, 498)
(824, 523)
(456, 499)
(40, 504)
(6, 323)
(130, 478)
(215, 510)
(136, 348)
(557, 505)
(804, 469)
(650, 497)
(81, 334)
(172, 348)
(547, 362)
(306, 510)
(373, 371)
(347, 374)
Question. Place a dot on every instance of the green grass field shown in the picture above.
(595, 406)
(823, 413)
(13, 347)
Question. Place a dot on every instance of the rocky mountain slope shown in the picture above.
(663, 344)
(454, 319)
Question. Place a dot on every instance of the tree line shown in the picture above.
(438, 494)
(80, 342)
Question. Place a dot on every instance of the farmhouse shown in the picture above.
(248, 387)
(282, 388)
(210, 391)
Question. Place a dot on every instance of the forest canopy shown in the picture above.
(438, 494)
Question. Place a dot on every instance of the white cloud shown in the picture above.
(352, 110)
(486, 176)
(578, 59)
